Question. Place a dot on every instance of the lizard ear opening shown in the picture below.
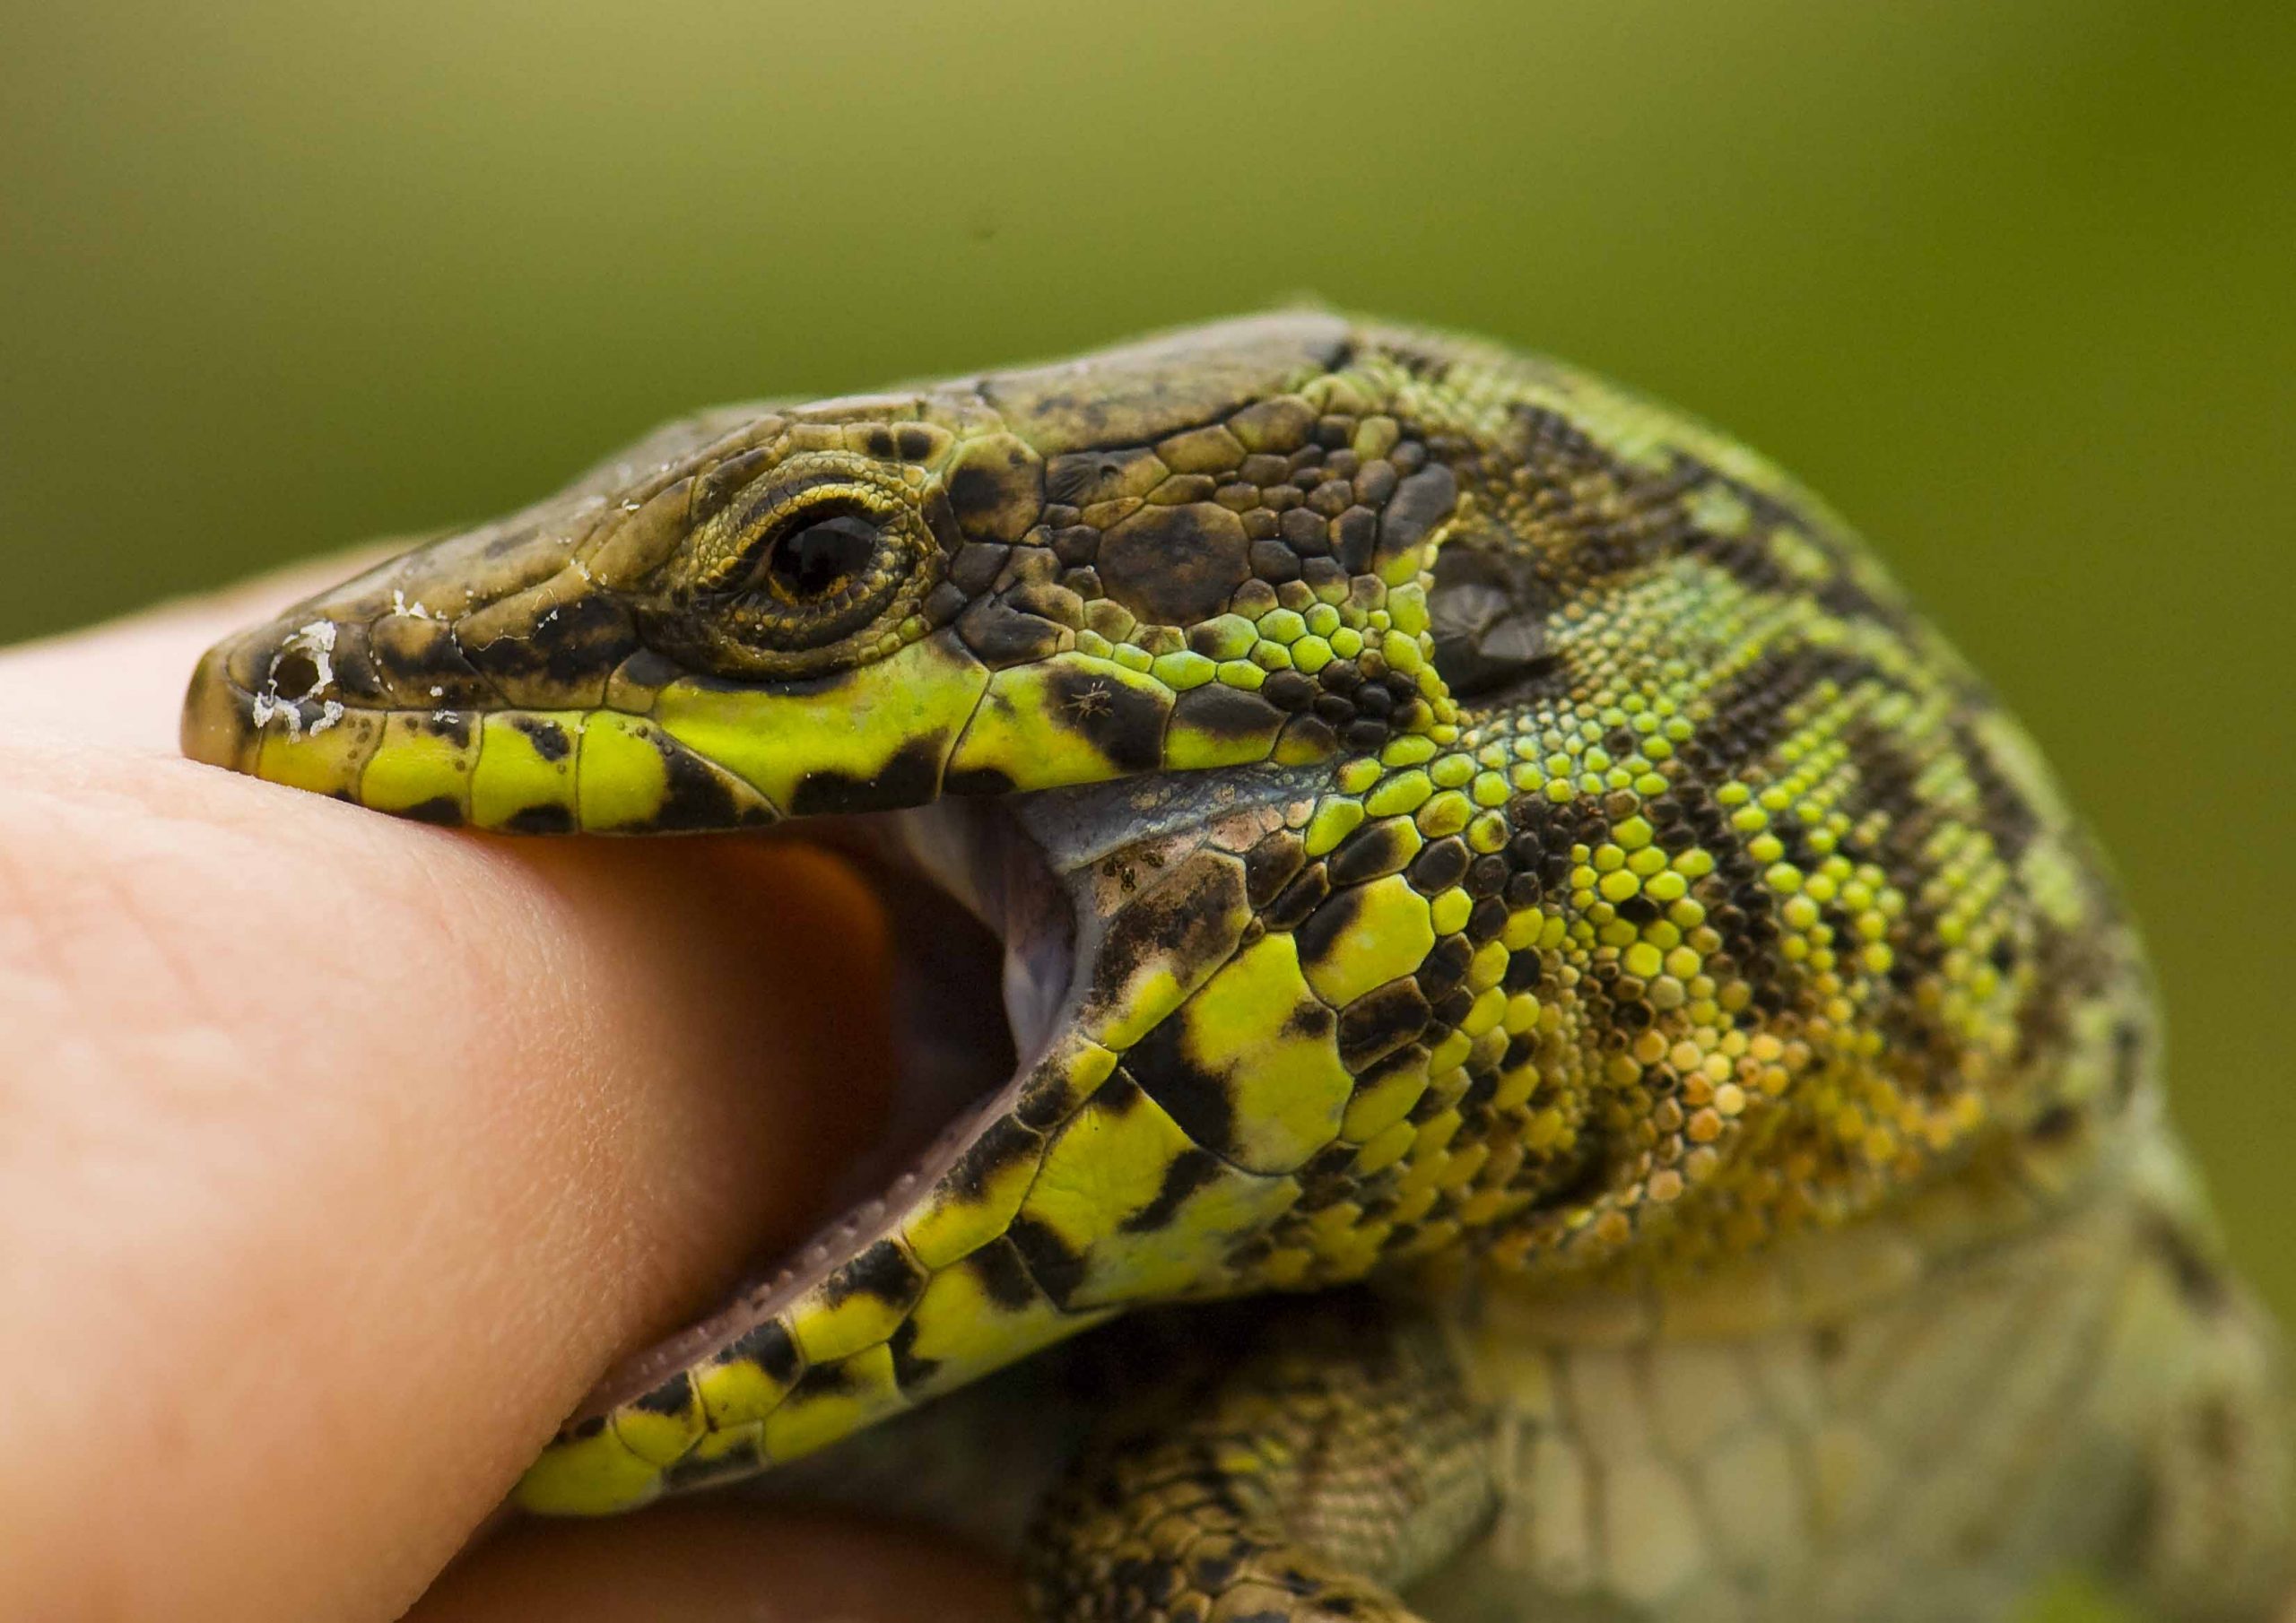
(1487, 609)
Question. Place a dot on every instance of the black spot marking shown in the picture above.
(973, 490)
(1272, 561)
(673, 1396)
(1445, 967)
(884, 1270)
(977, 780)
(572, 645)
(1228, 713)
(996, 489)
(412, 656)
(648, 670)
(1187, 919)
(910, 1372)
(1271, 864)
(1002, 1144)
(913, 443)
(540, 820)
(453, 725)
(694, 795)
(549, 737)
(770, 1347)
(1043, 1102)
(2129, 1052)
(1298, 900)
(910, 778)
(1308, 738)
(1209, 1574)
(438, 809)
(1372, 851)
(1328, 927)
(1124, 723)
(1003, 1279)
(2055, 1125)
(1287, 690)
(943, 604)
(690, 1474)
(1197, 1098)
(1190, 1171)
(822, 1381)
(1057, 1271)
(1439, 865)
(1381, 1022)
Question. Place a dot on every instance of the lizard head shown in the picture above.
(1077, 650)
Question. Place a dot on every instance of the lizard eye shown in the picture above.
(811, 563)
(806, 569)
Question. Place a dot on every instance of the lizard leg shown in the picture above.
(1300, 1475)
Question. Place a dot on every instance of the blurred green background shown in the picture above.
(2011, 283)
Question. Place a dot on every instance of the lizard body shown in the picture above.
(1450, 826)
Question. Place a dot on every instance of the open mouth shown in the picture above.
(1025, 1185)
(985, 939)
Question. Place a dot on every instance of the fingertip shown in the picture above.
(379, 1144)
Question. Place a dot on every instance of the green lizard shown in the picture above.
(1465, 844)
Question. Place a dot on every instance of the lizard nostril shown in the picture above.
(294, 675)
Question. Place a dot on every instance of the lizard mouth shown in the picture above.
(985, 936)
(1043, 937)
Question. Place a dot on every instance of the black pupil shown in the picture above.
(815, 561)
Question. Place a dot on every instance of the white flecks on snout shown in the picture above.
(315, 643)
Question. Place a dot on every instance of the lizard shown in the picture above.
(1509, 1032)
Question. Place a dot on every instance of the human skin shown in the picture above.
(340, 1155)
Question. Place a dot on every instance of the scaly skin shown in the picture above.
(1545, 869)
